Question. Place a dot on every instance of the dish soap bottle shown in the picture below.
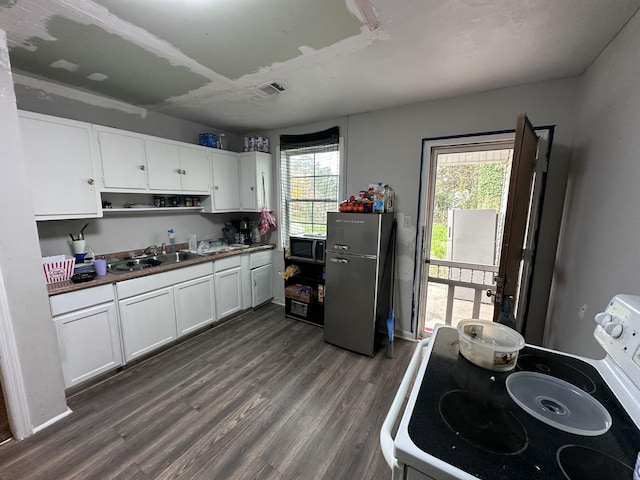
(172, 240)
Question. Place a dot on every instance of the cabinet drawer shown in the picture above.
(137, 286)
(69, 302)
(227, 263)
(258, 259)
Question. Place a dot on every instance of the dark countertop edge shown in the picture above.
(68, 286)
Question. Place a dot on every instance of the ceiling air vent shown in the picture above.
(268, 89)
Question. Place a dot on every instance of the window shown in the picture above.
(310, 172)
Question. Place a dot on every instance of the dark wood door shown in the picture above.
(516, 215)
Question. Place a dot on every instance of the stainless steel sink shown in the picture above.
(137, 264)
(176, 257)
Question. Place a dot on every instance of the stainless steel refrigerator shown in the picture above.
(357, 280)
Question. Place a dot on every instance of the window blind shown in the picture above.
(310, 173)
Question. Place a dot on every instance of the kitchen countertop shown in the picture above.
(69, 286)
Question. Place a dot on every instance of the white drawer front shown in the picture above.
(69, 302)
(137, 286)
(258, 259)
(227, 263)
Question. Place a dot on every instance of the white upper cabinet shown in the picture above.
(256, 177)
(163, 162)
(224, 183)
(132, 161)
(176, 167)
(123, 160)
(195, 165)
(60, 160)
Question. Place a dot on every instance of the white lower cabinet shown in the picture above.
(261, 285)
(87, 330)
(148, 322)
(261, 264)
(155, 310)
(228, 286)
(195, 304)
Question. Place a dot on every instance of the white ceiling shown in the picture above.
(202, 59)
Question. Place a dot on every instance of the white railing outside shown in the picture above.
(476, 277)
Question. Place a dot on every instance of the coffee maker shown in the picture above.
(245, 231)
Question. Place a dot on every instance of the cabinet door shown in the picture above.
(248, 187)
(163, 163)
(89, 343)
(261, 284)
(123, 160)
(148, 322)
(195, 169)
(194, 304)
(225, 175)
(59, 156)
(228, 288)
(255, 181)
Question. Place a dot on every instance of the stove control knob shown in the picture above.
(614, 329)
(604, 318)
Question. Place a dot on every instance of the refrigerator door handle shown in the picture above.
(339, 260)
(338, 246)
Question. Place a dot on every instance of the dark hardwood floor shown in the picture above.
(259, 397)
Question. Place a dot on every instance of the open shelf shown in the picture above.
(312, 275)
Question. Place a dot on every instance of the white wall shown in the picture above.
(386, 145)
(132, 231)
(598, 255)
(32, 378)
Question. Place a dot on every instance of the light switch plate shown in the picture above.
(407, 221)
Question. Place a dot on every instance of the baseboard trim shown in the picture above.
(52, 421)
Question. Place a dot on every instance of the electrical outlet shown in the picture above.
(407, 221)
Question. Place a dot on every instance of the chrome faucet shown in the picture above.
(151, 250)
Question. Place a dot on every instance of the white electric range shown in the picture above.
(578, 418)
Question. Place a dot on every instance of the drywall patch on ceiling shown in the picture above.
(153, 81)
(46, 89)
(65, 65)
(234, 41)
(29, 19)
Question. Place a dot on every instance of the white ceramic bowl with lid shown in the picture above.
(489, 345)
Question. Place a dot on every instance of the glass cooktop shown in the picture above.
(464, 416)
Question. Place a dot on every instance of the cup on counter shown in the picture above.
(100, 265)
(79, 246)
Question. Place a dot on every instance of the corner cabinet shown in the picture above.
(256, 178)
(86, 325)
(60, 158)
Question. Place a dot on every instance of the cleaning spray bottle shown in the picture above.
(172, 240)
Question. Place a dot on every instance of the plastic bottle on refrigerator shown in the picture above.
(378, 198)
(389, 197)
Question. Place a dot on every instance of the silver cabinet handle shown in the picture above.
(339, 260)
(337, 246)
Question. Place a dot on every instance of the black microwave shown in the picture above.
(309, 248)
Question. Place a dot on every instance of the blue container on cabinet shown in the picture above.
(208, 140)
